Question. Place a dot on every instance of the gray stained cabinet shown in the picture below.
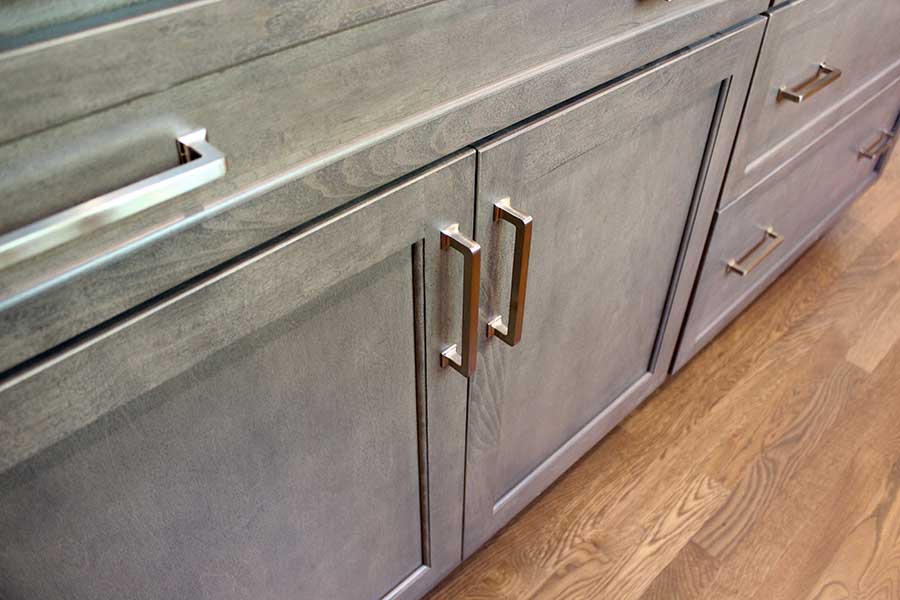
(281, 429)
(335, 392)
(613, 182)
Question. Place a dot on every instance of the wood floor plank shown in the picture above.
(787, 436)
(768, 541)
(867, 564)
(686, 577)
(784, 548)
(786, 440)
(850, 498)
(681, 514)
(869, 432)
(879, 336)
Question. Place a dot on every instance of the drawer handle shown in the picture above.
(768, 244)
(881, 146)
(512, 333)
(463, 357)
(200, 163)
(824, 77)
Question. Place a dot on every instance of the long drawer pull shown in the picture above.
(512, 333)
(762, 250)
(463, 357)
(881, 146)
(200, 163)
(824, 77)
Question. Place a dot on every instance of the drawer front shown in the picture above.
(303, 131)
(794, 99)
(755, 240)
(59, 63)
(66, 59)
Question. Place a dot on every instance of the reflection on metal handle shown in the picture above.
(880, 147)
(463, 357)
(824, 77)
(512, 333)
(200, 164)
(771, 241)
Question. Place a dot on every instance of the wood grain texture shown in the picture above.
(55, 81)
(243, 474)
(258, 433)
(862, 471)
(686, 508)
(803, 441)
(865, 566)
(878, 337)
(35, 410)
(598, 333)
(301, 139)
(63, 77)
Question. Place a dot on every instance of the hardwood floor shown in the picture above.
(769, 468)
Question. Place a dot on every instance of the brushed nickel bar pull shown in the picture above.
(512, 333)
(811, 86)
(771, 241)
(880, 147)
(463, 357)
(200, 163)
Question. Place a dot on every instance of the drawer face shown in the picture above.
(59, 65)
(794, 205)
(859, 38)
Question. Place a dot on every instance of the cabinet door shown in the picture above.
(615, 182)
(281, 428)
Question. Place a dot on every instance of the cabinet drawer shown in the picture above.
(755, 240)
(857, 40)
(63, 60)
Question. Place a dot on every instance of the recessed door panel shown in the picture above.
(613, 183)
(281, 429)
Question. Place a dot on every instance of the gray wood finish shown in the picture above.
(70, 74)
(24, 22)
(859, 37)
(281, 429)
(800, 205)
(302, 139)
(615, 182)
(55, 81)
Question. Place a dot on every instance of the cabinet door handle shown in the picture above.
(824, 77)
(463, 357)
(764, 248)
(512, 333)
(881, 146)
(200, 162)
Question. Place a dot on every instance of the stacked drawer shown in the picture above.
(819, 122)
